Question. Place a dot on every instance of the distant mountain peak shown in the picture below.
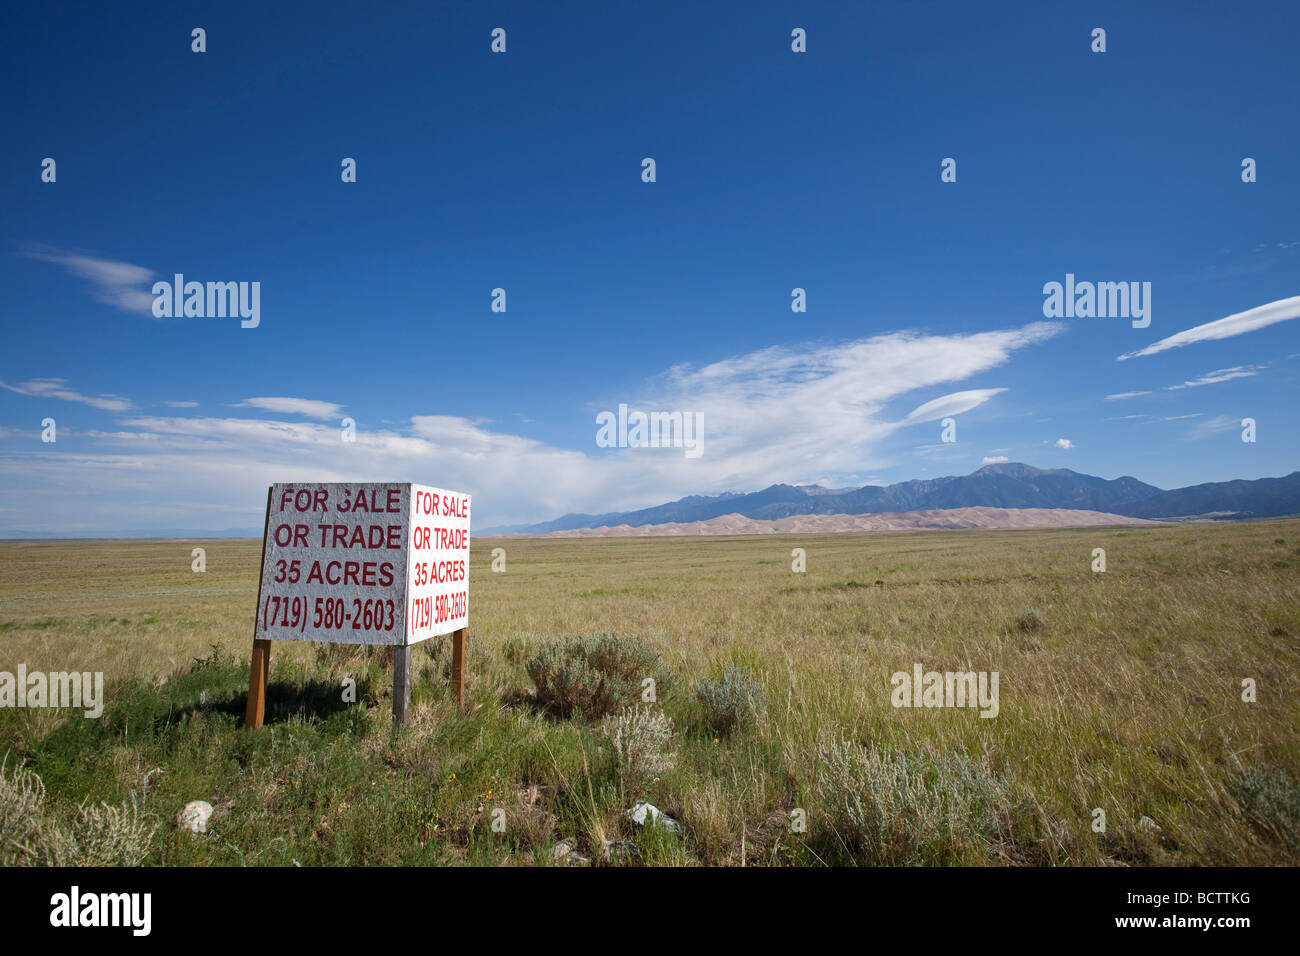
(1008, 484)
(1018, 469)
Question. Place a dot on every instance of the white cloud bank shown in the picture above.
(778, 414)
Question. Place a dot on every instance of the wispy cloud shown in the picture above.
(1064, 443)
(57, 388)
(307, 407)
(1161, 419)
(1215, 425)
(994, 460)
(1237, 324)
(1221, 375)
(182, 404)
(1119, 395)
(119, 284)
(1209, 378)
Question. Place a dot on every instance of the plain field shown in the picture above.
(1128, 698)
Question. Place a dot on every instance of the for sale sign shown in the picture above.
(364, 563)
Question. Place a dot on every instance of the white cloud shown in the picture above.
(1119, 395)
(56, 388)
(775, 415)
(1221, 375)
(1215, 425)
(119, 284)
(182, 404)
(953, 404)
(994, 460)
(307, 407)
(1064, 443)
(1236, 324)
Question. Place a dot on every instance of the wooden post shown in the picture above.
(458, 665)
(257, 671)
(259, 664)
(401, 683)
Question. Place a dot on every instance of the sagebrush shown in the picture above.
(595, 675)
(641, 739)
(732, 703)
(889, 807)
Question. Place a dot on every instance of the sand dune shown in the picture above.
(950, 519)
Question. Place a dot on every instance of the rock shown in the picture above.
(194, 817)
(643, 811)
(622, 849)
(566, 852)
(1147, 825)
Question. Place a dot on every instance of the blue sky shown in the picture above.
(522, 171)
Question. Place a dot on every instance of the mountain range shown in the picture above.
(1002, 485)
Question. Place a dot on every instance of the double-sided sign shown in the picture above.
(364, 563)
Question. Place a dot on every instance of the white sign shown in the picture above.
(364, 563)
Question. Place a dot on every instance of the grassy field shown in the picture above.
(1123, 693)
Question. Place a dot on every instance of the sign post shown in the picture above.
(378, 563)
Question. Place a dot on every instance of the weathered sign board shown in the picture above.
(363, 563)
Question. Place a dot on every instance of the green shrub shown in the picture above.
(734, 702)
(595, 675)
(1272, 798)
(895, 808)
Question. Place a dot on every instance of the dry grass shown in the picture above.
(1127, 698)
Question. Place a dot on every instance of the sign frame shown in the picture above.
(259, 662)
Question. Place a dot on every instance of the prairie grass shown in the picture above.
(1123, 693)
